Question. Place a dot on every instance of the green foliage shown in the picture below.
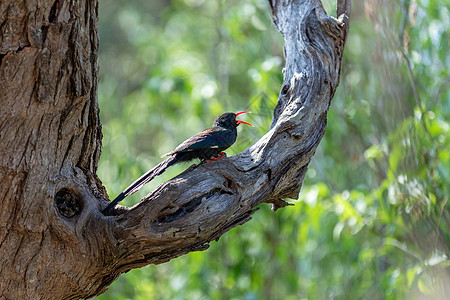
(372, 220)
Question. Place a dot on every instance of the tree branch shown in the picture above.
(199, 205)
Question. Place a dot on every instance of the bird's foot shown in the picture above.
(217, 157)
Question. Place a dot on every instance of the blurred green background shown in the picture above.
(372, 220)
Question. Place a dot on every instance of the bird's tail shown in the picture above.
(147, 177)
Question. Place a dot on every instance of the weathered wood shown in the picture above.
(50, 139)
(54, 242)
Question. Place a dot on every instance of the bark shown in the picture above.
(54, 241)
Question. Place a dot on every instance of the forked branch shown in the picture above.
(198, 206)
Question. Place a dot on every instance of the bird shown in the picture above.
(207, 145)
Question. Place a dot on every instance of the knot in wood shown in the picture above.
(68, 204)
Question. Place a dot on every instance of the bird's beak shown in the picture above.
(243, 122)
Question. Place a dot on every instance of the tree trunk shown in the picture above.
(54, 241)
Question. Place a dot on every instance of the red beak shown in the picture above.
(243, 122)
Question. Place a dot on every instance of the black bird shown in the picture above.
(207, 145)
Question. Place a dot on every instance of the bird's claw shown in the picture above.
(217, 157)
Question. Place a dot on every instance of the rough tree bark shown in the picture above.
(54, 241)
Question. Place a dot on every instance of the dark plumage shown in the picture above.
(206, 145)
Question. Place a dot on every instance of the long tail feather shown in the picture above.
(141, 181)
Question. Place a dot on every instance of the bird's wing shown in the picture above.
(209, 138)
